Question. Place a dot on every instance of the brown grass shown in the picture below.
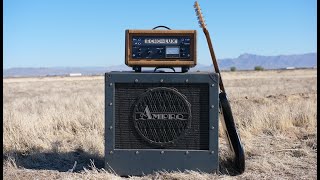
(51, 123)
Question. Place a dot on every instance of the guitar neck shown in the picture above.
(213, 57)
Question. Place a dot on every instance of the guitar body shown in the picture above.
(232, 134)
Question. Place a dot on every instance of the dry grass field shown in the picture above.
(51, 123)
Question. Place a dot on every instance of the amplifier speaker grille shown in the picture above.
(196, 137)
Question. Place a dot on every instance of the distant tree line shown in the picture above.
(256, 68)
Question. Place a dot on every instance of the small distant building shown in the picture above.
(75, 74)
(290, 67)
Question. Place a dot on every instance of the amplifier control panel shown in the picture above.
(160, 48)
(166, 47)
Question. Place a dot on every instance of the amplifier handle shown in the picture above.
(161, 27)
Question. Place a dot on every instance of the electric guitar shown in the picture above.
(227, 120)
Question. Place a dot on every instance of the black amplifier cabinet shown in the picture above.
(161, 121)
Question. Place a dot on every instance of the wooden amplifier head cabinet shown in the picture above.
(160, 48)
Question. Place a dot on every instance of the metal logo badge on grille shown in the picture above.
(162, 115)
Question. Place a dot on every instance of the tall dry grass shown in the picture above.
(59, 116)
(49, 123)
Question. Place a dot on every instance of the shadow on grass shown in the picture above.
(65, 161)
(59, 161)
(227, 167)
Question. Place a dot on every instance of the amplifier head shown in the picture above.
(160, 48)
(161, 121)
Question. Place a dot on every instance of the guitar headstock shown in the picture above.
(201, 21)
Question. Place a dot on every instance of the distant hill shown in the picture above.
(249, 61)
(61, 71)
(243, 62)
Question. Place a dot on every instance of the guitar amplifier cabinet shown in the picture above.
(161, 122)
(160, 48)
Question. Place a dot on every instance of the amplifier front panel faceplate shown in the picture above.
(161, 47)
(161, 121)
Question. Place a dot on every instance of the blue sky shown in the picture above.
(51, 33)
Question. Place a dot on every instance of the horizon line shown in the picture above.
(128, 66)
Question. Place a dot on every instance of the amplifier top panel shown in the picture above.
(160, 48)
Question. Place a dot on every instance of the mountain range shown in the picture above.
(243, 62)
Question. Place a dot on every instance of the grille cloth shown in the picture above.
(127, 137)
